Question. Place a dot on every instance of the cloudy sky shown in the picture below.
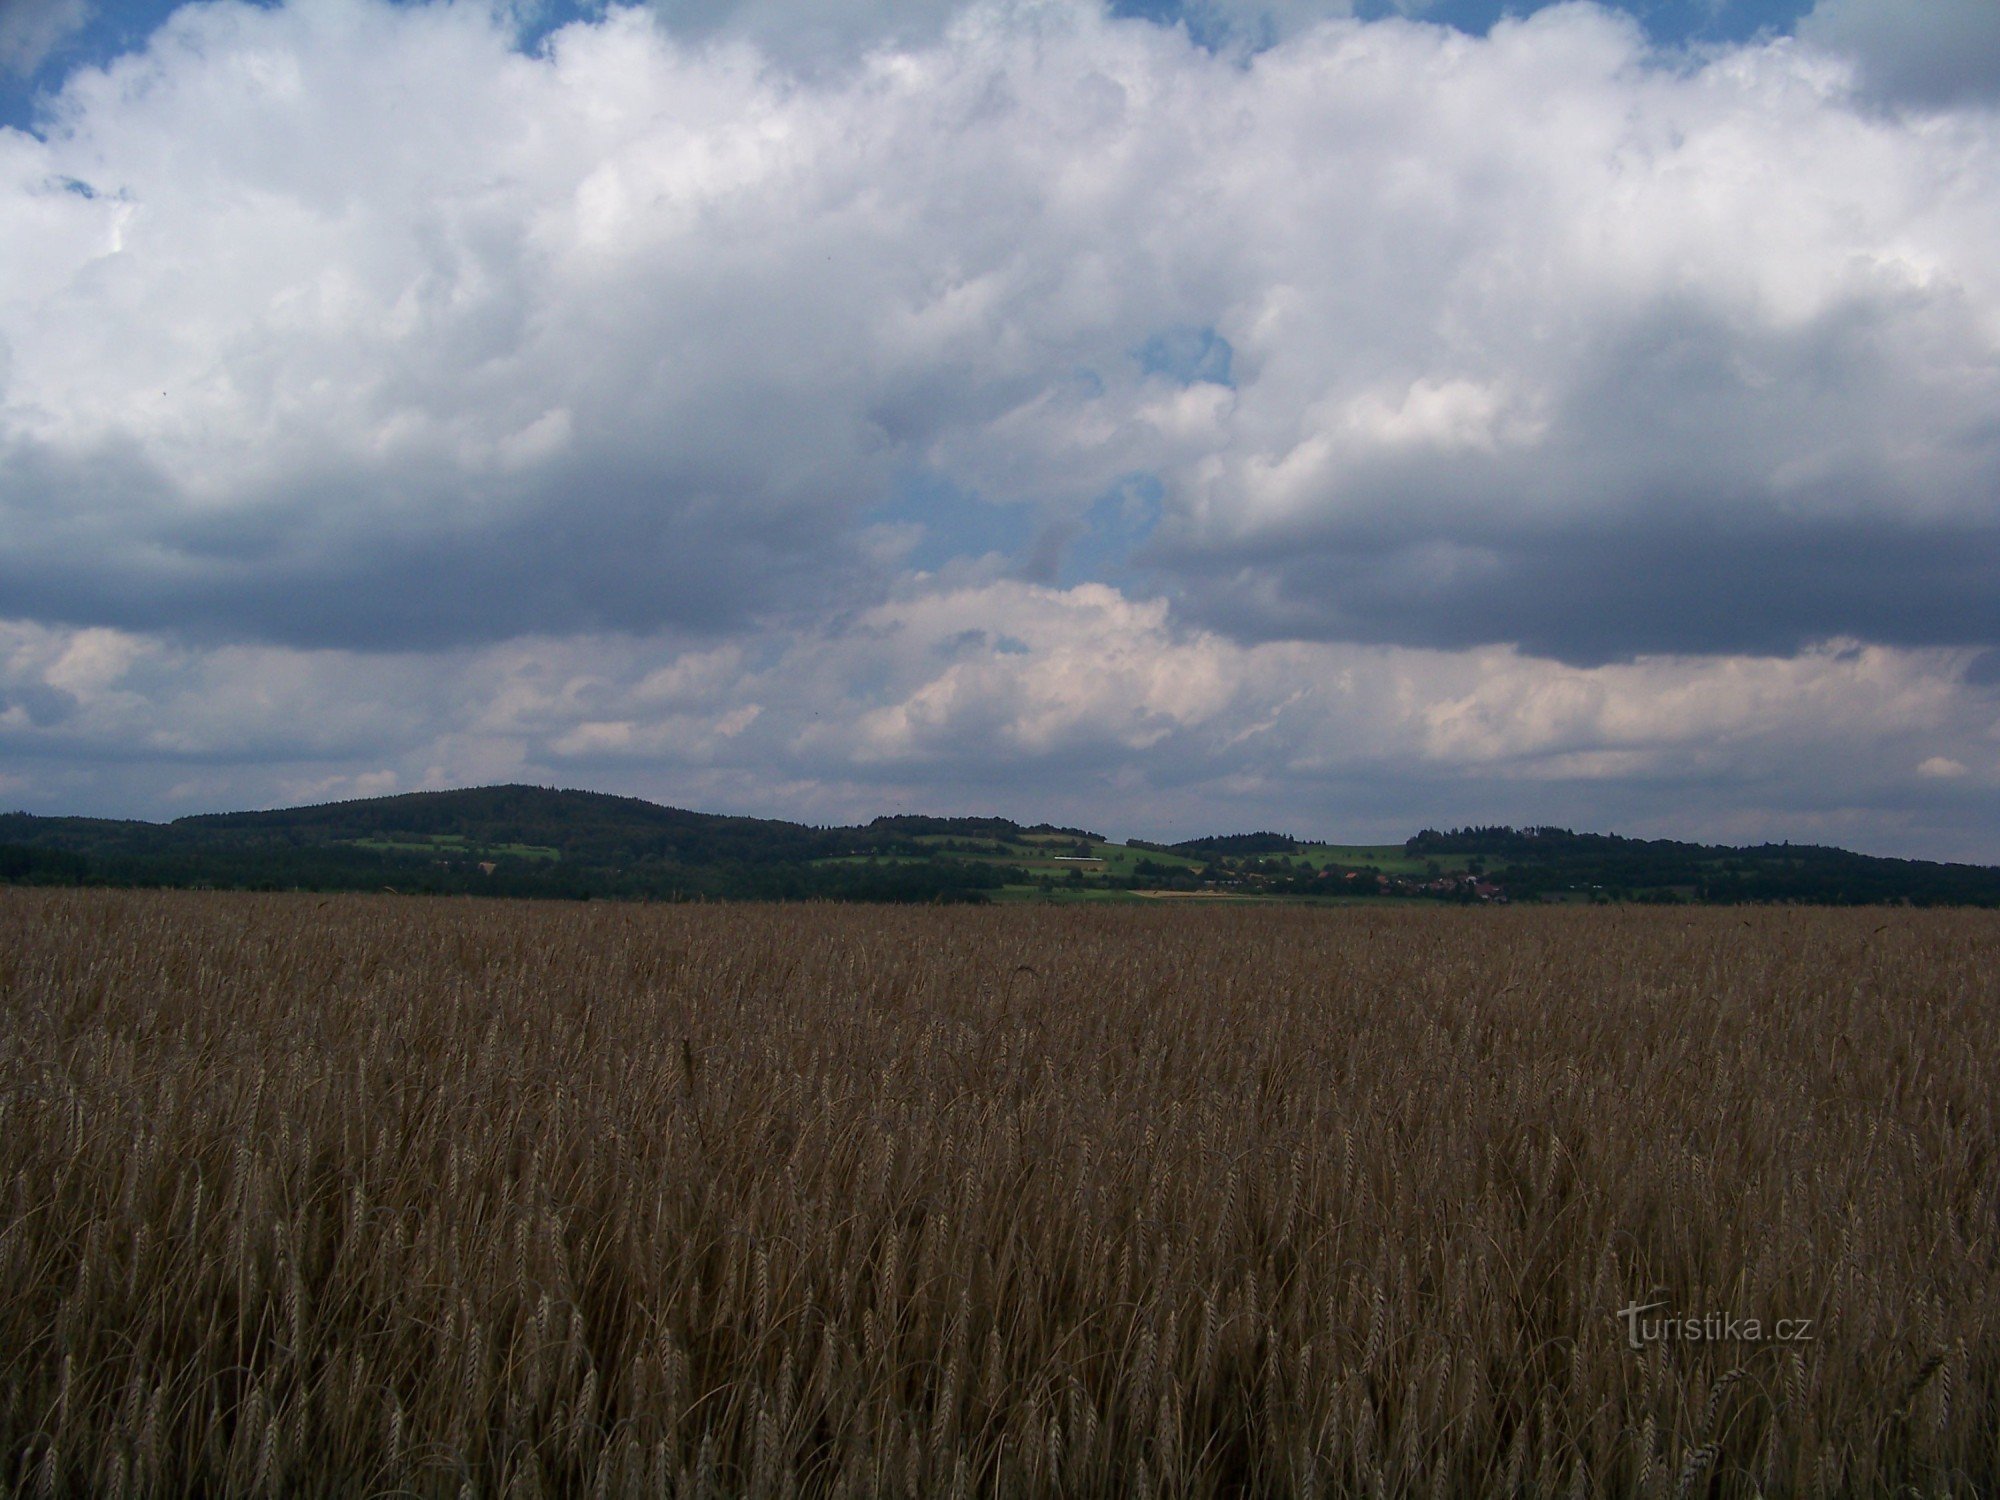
(1172, 417)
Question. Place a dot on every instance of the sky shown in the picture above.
(1339, 418)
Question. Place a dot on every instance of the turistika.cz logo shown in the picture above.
(1707, 1328)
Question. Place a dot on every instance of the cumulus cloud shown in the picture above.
(1076, 703)
(343, 323)
(1012, 402)
(1940, 52)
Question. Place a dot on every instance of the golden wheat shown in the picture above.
(381, 1195)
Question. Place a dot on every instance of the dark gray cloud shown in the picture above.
(1937, 52)
(1984, 669)
(1683, 579)
(402, 561)
(806, 35)
(1698, 487)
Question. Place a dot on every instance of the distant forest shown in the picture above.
(534, 841)
(1532, 862)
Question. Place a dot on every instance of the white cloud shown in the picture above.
(347, 323)
(1075, 703)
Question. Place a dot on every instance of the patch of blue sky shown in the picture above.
(1188, 355)
(102, 30)
(105, 29)
(955, 524)
(1671, 23)
(1110, 546)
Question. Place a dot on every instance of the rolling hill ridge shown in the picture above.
(539, 841)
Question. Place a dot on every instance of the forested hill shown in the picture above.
(535, 841)
(520, 840)
(592, 827)
(1545, 861)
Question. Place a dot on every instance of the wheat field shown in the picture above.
(369, 1195)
